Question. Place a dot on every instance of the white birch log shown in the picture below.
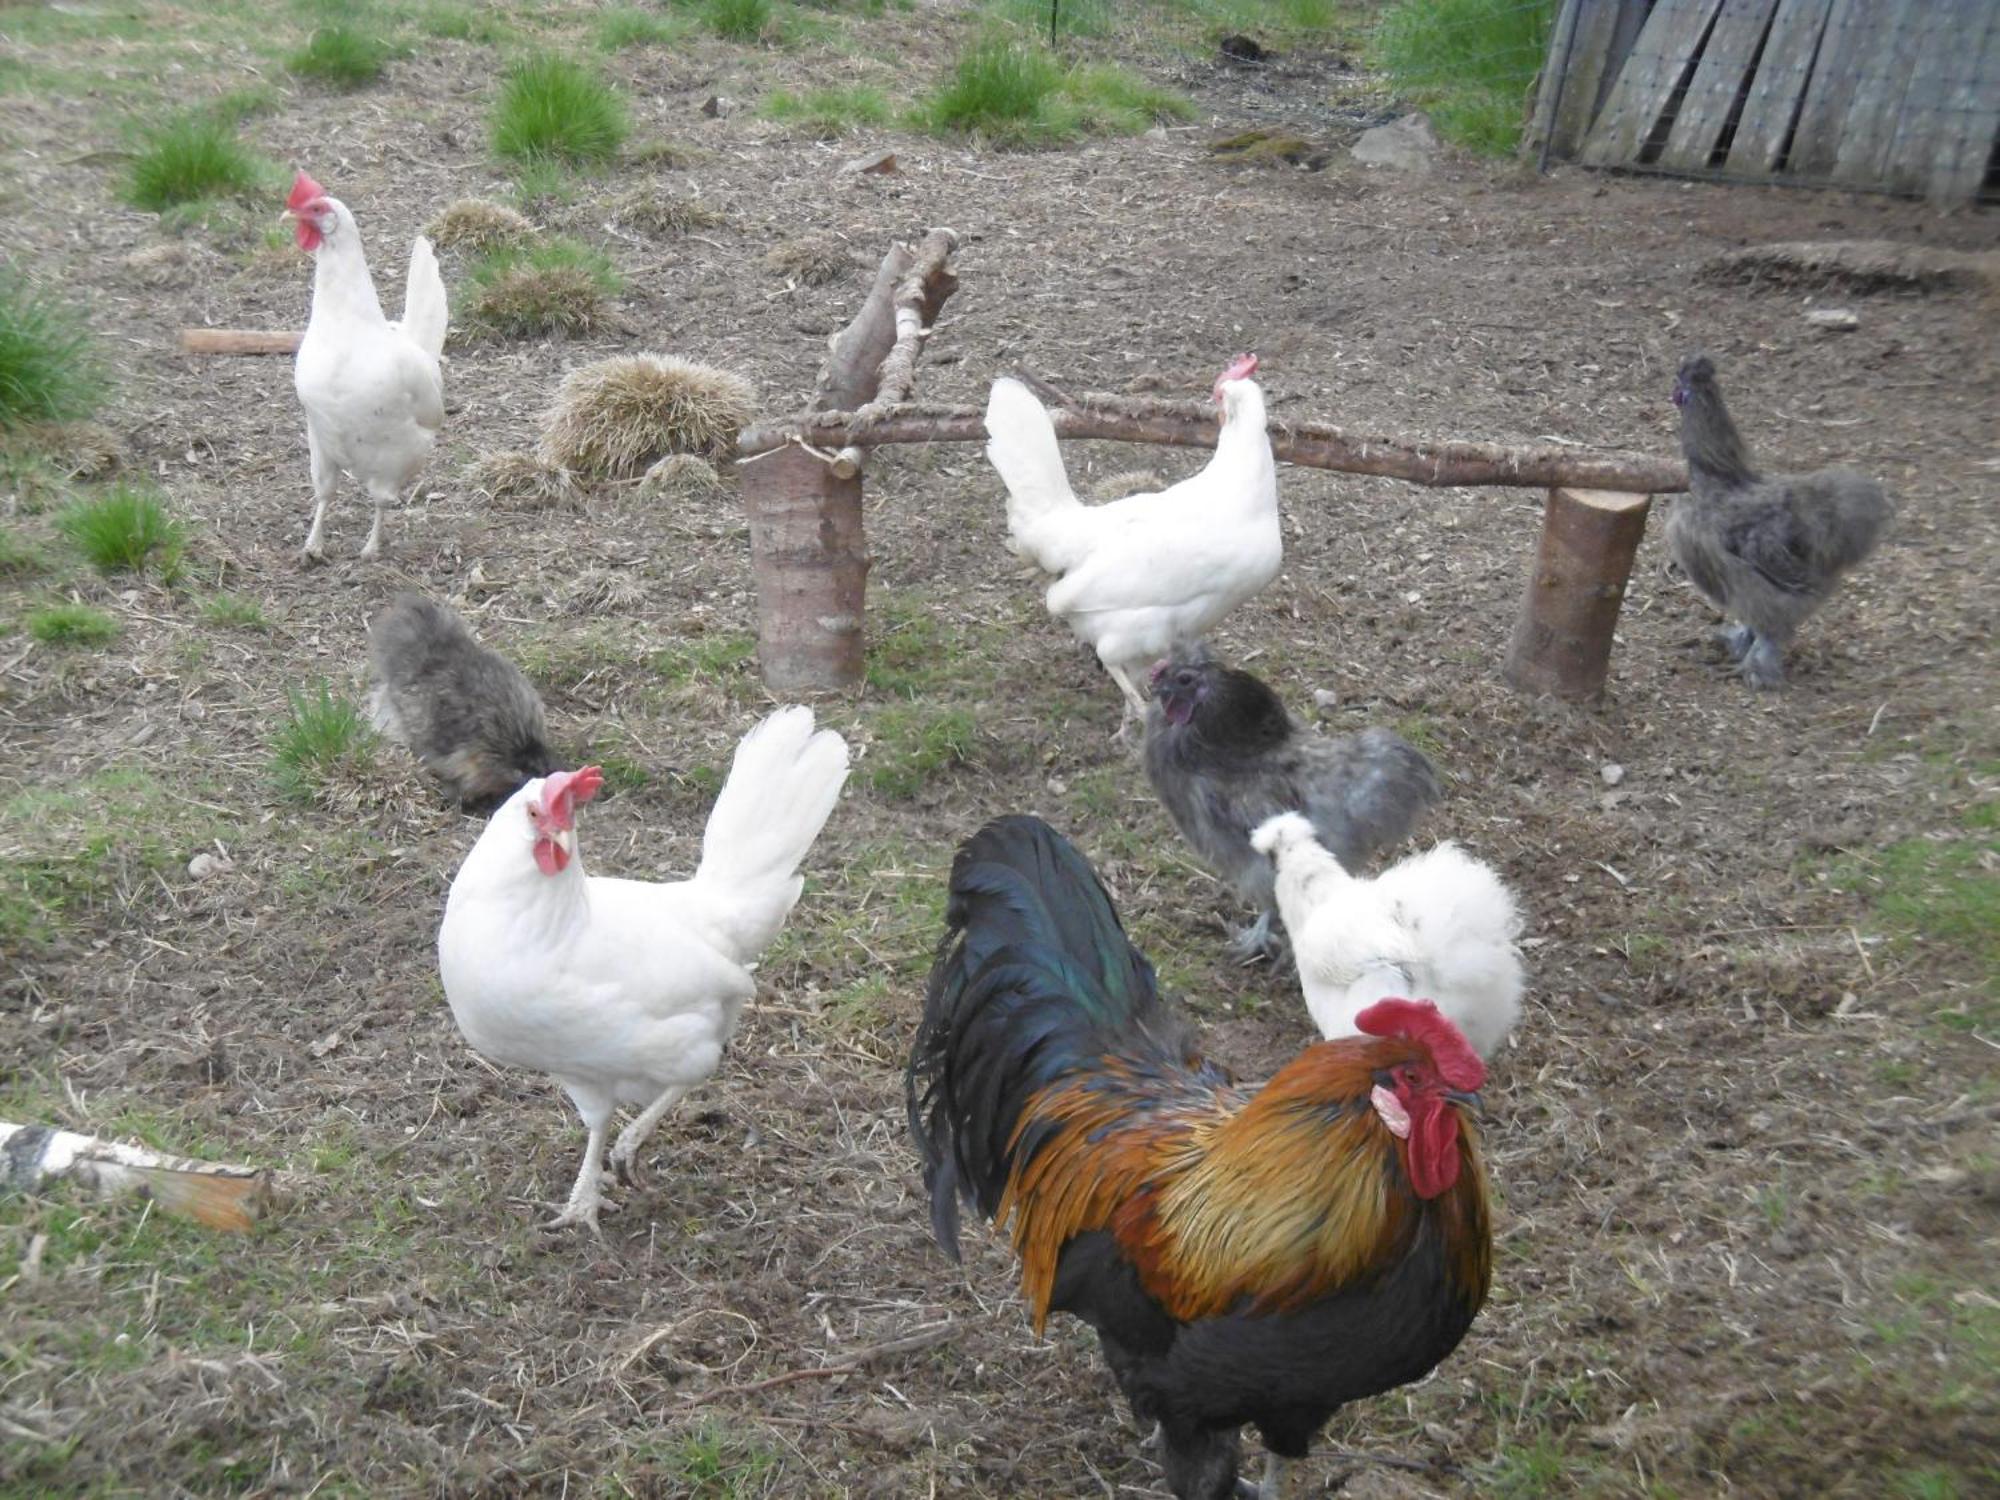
(216, 1194)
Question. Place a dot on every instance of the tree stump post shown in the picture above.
(1562, 637)
(811, 563)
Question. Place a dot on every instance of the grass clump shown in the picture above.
(617, 416)
(913, 744)
(526, 481)
(122, 530)
(1470, 63)
(72, 625)
(19, 558)
(323, 735)
(555, 107)
(629, 26)
(48, 369)
(813, 260)
(738, 20)
(344, 51)
(828, 113)
(478, 224)
(655, 211)
(234, 612)
(1014, 94)
(191, 157)
(555, 287)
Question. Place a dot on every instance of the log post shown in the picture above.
(811, 565)
(1562, 637)
(238, 341)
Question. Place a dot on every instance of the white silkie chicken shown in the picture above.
(372, 389)
(1138, 574)
(628, 990)
(1438, 926)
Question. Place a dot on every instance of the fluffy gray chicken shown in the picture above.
(1224, 755)
(1764, 552)
(467, 714)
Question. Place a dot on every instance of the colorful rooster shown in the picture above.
(1244, 1257)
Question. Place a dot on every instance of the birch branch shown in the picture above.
(918, 297)
(212, 1193)
(1189, 424)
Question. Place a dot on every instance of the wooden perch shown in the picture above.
(1569, 610)
(1192, 424)
(807, 548)
(238, 341)
(211, 1193)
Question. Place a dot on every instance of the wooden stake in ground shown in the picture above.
(1562, 637)
(211, 1193)
(807, 548)
(238, 341)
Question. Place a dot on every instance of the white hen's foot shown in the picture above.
(632, 1139)
(586, 1198)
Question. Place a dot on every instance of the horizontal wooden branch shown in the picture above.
(1189, 424)
(212, 1193)
(238, 341)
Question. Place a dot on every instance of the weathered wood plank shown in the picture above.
(1725, 62)
(1954, 28)
(1660, 60)
(1970, 102)
(1842, 53)
(1779, 88)
(1574, 73)
(1901, 30)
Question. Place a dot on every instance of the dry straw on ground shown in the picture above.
(653, 211)
(615, 417)
(813, 261)
(478, 224)
(680, 476)
(525, 480)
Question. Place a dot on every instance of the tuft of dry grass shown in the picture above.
(81, 450)
(814, 260)
(174, 262)
(617, 416)
(551, 287)
(526, 481)
(680, 476)
(478, 224)
(653, 211)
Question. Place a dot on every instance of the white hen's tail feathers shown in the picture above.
(781, 789)
(1021, 445)
(425, 311)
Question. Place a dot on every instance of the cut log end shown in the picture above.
(1569, 612)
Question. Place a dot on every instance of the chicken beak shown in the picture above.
(287, 217)
(1472, 1102)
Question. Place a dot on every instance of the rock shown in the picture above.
(1833, 319)
(1325, 699)
(881, 162)
(205, 864)
(715, 106)
(1612, 772)
(1242, 49)
(1407, 144)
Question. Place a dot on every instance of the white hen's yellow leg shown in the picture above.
(625, 1155)
(373, 546)
(1135, 701)
(325, 477)
(587, 1197)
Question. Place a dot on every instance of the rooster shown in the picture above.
(1224, 755)
(628, 990)
(372, 389)
(1764, 551)
(1138, 574)
(1438, 924)
(466, 713)
(1244, 1257)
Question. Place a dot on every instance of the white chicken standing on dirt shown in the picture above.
(1438, 926)
(628, 990)
(1138, 574)
(372, 389)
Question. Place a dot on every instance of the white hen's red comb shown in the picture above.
(564, 791)
(304, 191)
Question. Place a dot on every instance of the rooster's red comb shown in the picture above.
(564, 791)
(304, 190)
(1421, 1021)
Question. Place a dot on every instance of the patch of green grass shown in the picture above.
(1112, 101)
(123, 530)
(1012, 93)
(1470, 63)
(554, 286)
(234, 612)
(710, 658)
(49, 370)
(239, 105)
(18, 558)
(738, 20)
(914, 743)
(630, 26)
(1942, 890)
(190, 157)
(552, 106)
(346, 54)
(462, 23)
(710, 1463)
(72, 625)
(829, 112)
(323, 736)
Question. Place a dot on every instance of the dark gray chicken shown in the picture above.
(1764, 552)
(467, 714)
(1224, 755)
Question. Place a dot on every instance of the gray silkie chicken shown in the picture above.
(1765, 552)
(467, 714)
(1224, 755)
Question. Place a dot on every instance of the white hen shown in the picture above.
(628, 990)
(1138, 574)
(372, 389)
(1438, 926)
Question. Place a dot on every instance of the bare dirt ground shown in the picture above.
(1743, 1143)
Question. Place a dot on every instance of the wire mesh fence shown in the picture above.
(1895, 95)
